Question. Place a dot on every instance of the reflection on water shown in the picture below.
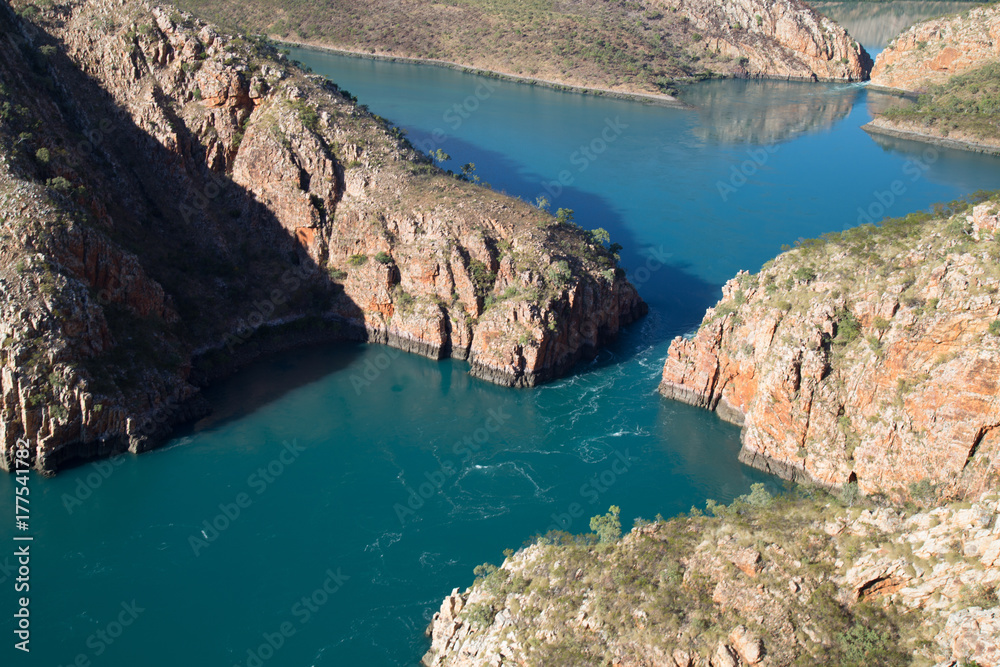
(759, 112)
(874, 24)
(878, 101)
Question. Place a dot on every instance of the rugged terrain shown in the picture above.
(805, 581)
(176, 201)
(875, 24)
(953, 63)
(963, 112)
(872, 355)
(627, 47)
(932, 51)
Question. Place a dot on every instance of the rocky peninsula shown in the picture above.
(177, 200)
(952, 64)
(868, 356)
(621, 48)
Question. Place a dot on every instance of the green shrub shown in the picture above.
(357, 260)
(608, 527)
(383, 257)
(995, 327)
(337, 274)
(805, 274)
(42, 156)
(863, 646)
(564, 216)
(559, 273)
(59, 184)
(482, 278)
(848, 327)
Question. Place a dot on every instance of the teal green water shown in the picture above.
(399, 487)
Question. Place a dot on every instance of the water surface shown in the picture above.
(387, 477)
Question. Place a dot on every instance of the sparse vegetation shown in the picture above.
(967, 103)
(584, 43)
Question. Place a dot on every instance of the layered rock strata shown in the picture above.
(933, 51)
(175, 198)
(775, 40)
(870, 356)
(764, 582)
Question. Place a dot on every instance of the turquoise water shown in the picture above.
(400, 474)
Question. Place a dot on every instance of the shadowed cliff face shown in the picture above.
(932, 51)
(871, 358)
(177, 201)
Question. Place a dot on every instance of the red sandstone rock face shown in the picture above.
(223, 191)
(779, 40)
(930, 52)
(913, 397)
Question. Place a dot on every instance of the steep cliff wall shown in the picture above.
(170, 193)
(766, 581)
(871, 356)
(932, 51)
(779, 40)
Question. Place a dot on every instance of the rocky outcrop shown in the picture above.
(932, 51)
(192, 199)
(868, 356)
(776, 40)
(830, 581)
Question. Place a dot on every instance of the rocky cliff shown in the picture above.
(764, 581)
(871, 356)
(932, 51)
(176, 200)
(635, 47)
(778, 40)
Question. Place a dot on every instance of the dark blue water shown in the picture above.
(368, 482)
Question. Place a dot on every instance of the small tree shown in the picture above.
(600, 236)
(609, 526)
(440, 156)
(564, 216)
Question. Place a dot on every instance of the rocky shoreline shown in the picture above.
(765, 581)
(865, 357)
(917, 132)
(238, 200)
(649, 98)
